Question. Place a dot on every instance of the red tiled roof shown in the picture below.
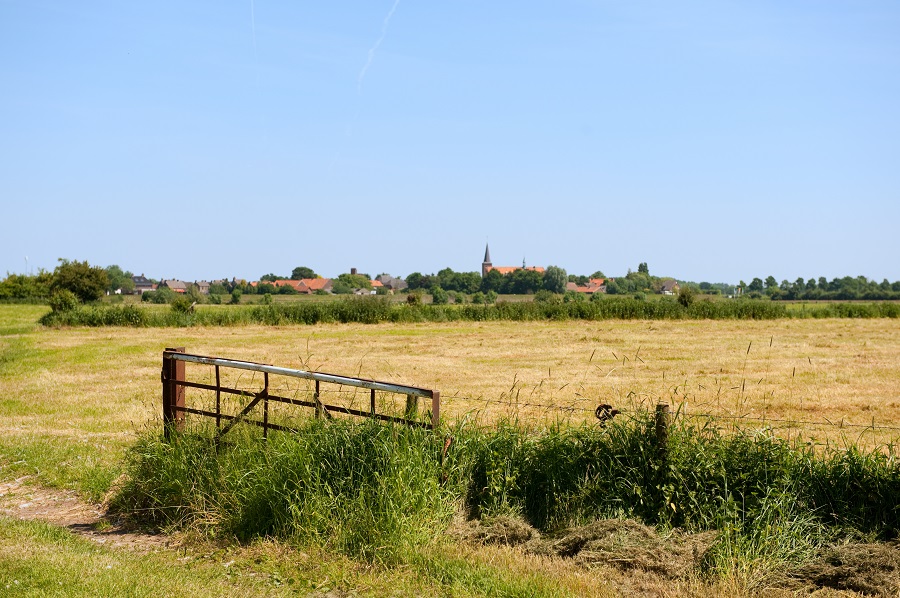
(297, 284)
(316, 284)
(510, 269)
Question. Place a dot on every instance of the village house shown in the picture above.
(391, 283)
(142, 284)
(669, 287)
(178, 286)
(594, 285)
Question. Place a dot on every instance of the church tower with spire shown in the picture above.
(486, 264)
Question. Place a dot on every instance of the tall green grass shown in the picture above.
(371, 310)
(381, 491)
(367, 490)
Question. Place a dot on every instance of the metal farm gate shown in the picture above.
(175, 382)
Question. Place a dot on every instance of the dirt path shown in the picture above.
(20, 500)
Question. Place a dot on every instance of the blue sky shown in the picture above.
(715, 141)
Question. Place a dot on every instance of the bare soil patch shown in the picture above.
(22, 501)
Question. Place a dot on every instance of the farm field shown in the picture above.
(73, 400)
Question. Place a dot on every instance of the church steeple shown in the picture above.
(486, 264)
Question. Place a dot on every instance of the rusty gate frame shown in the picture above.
(174, 383)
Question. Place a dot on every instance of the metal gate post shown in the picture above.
(173, 393)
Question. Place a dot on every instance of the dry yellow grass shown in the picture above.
(106, 381)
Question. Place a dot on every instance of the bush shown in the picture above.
(87, 282)
(182, 305)
(235, 297)
(686, 296)
(546, 296)
(159, 296)
(439, 296)
(63, 300)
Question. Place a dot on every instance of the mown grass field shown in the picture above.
(73, 400)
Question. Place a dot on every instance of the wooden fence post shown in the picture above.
(173, 393)
(435, 410)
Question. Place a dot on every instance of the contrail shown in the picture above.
(384, 28)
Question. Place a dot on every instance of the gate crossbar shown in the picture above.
(175, 382)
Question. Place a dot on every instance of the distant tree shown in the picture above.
(643, 268)
(478, 298)
(415, 281)
(490, 298)
(23, 286)
(119, 279)
(756, 285)
(555, 279)
(355, 281)
(771, 284)
(269, 277)
(217, 288)
(341, 287)
(301, 272)
(86, 281)
(599, 274)
(235, 296)
(492, 281)
(523, 282)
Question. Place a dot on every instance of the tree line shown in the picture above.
(88, 283)
(518, 282)
(848, 288)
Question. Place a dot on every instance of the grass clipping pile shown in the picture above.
(624, 544)
(630, 546)
(870, 569)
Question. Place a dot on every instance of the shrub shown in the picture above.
(235, 297)
(63, 300)
(439, 296)
(686, 296)
(546, 296)
(182, 305)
